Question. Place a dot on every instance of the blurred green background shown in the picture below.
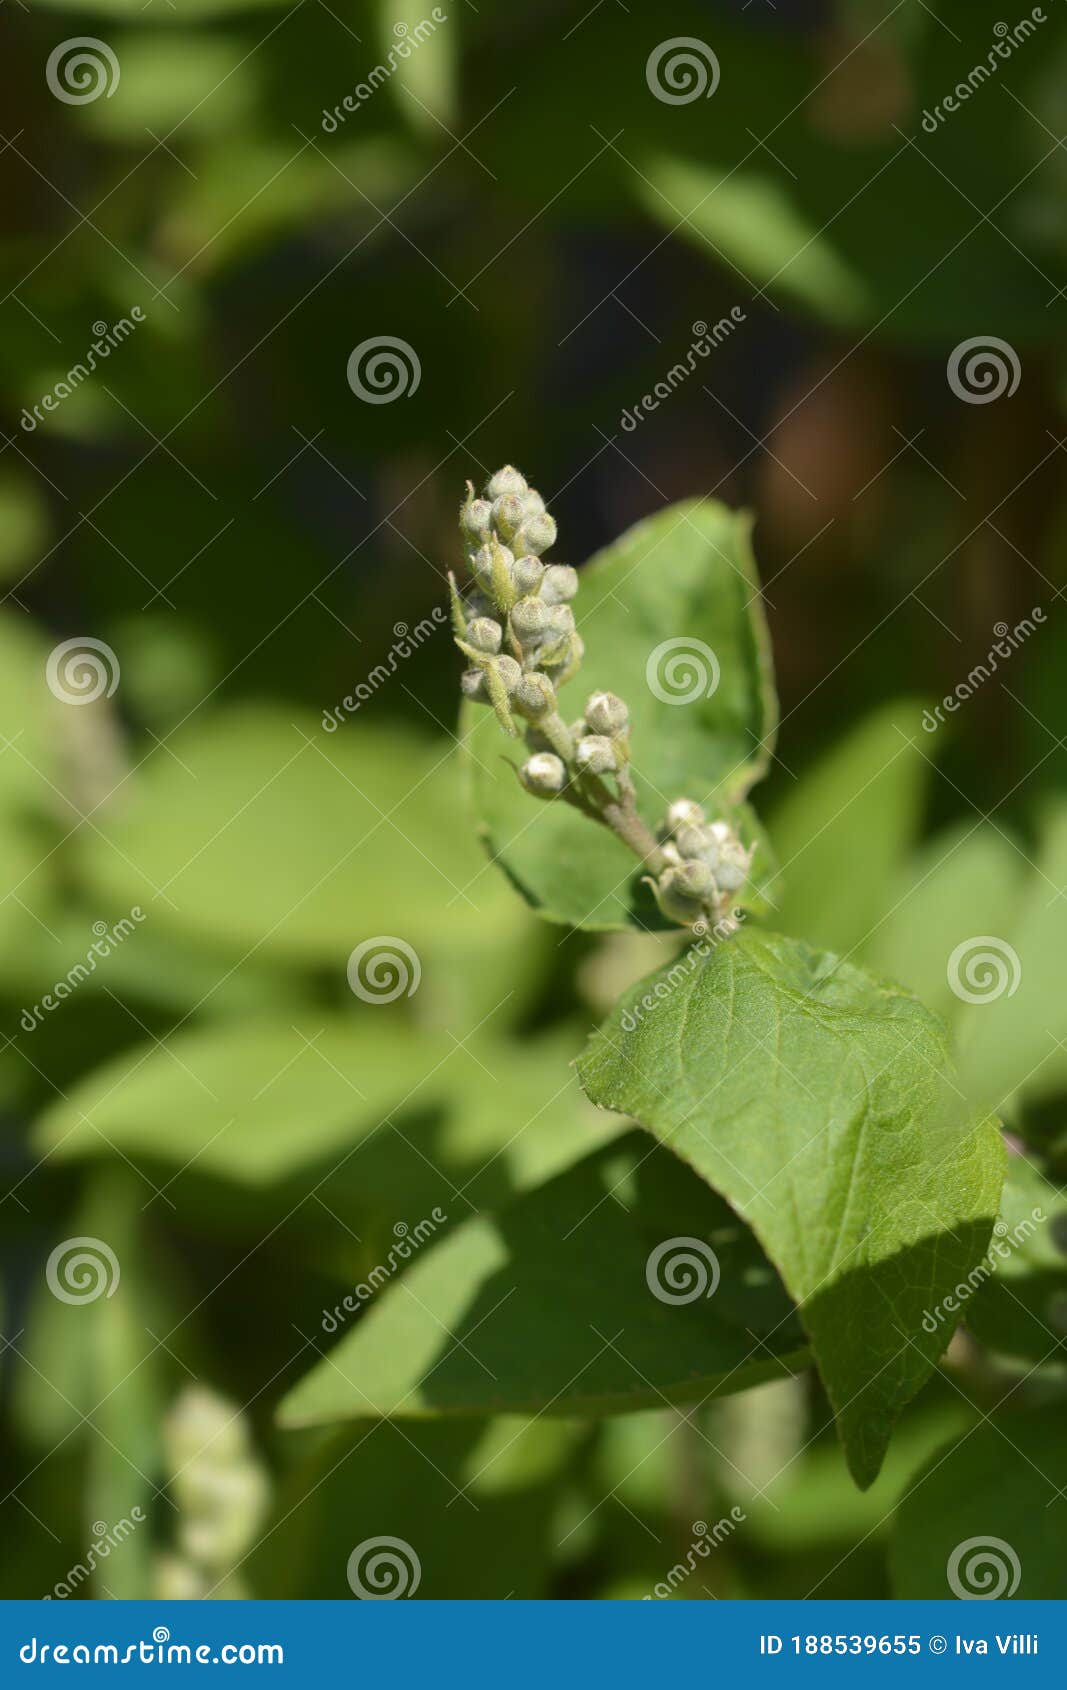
(248, 539)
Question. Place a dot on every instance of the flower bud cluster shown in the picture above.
(518, 634)
(218, 1485)
(706, 865)
(520, 639)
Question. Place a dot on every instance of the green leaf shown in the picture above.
(546, 1307)
(684, 581)
(984, 1517)
(472, 1503)
(816, 1098)
(215, 842)
(966, 880)
(846, 826)
(416, 1114)
(1013, 1024)
(1019, 1307)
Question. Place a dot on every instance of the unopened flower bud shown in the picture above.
(560, 583)
(607, 714)
(674, 901)
(694, 879)
(472, 685)
(536, 534)
(474, 521)
(509, 512)
(697, 842)
(596, 755)
(684, 813)
(535, 696)
(529, 619)
(484, 634)
(528, 573)
(486, 559)
(543, 774)
(509, 671)
(506, 480)
(533, 502)
(733, 865)
(559, 621)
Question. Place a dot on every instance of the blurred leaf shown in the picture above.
(1019, 1307)
(94, 1369)
(759, 226)
(24, 524)
(256, 1103)
(470, 1502)
(983, 1516)
(1013, 1023)
(262, 830)
(843, 830)
(673, 604)
(545, 1307)
(968, 879)
(425, 79)
(813, 1096)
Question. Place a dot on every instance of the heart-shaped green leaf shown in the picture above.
(818, 1099)
(672, 622)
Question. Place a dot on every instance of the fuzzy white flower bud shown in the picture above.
(543, 774)
(684, 813)
(485, 634)
(483, 561)
(529, 619)
(533, 502)
(607, 714)
(528, 574)
(731, 870)
(560, 583)
(509, 513)
(675, 902)
(506, 480)
(535, 696)
(596, 755)
(474, 521)
(697, 842)
(536, 534)
(694, 879)
(472, 685)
